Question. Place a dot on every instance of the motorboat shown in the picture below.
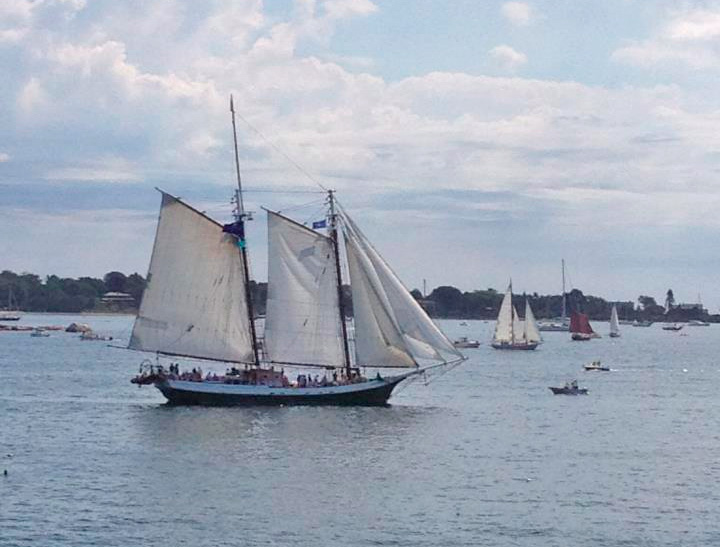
(641, 323)
(673, 326)
(697, 323)
(570, 388)
(595, 365)
(465, 342)
(39, 333)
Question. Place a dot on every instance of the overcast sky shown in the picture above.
(471, 140)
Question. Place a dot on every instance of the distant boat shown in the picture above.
(697, 323)
(39, 333)
(673, 326)
(10, 314)
(465, 342)
(595, 365)
(510, 331)
(562, 323)
(570, 388)
(637, 323)
(614, 324)
(580, 327)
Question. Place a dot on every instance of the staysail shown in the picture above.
(302, 323)
(531, 331)
(386, 314)
(194, 303)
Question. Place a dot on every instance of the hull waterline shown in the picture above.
(370, 393)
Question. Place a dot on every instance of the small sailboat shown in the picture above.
(614, 323)
(510, 331)
(560, 324)
(580, 327)
(198, 304)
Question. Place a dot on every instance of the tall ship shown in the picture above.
(198, 304)
(511, 332)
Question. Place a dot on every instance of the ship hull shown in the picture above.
(370, 393)
(517, 347)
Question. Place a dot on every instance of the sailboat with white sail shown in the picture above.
(197, 304)
(614, 323)
(561, 324)
(513, 333)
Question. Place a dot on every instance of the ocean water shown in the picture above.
(483, 455)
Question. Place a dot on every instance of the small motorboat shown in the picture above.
(595, 365)
(570, 388)
(673, 326)
(89, 335)
(39, 333)
(463, 323)
(465, 342)
(697, 323)
(637, 323)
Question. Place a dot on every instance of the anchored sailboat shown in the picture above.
(510, 331)
(580, 327)
(614, 323)
(198, 304)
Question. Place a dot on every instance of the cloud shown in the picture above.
(688, 39)
(507, 57)
(517, 13)
(4, 157)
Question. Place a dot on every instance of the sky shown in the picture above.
(472, 141)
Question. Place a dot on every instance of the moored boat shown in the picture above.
(465, 342)
(672, 326)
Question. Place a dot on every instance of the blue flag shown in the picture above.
(320, 224)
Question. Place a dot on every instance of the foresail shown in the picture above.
(422, 337)
(194, 303)
(518, 328)
(302, 323)
(532, 333)
(378, 340)
(504, 327)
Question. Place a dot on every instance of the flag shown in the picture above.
(319, 224)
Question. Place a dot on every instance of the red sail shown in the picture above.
(579, 323)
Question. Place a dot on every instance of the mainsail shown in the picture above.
(194, 303)
(302, 323)
(504, 327)
(391, 328)
(579, 323)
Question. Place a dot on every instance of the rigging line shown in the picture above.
(269, 191)
(283, 154)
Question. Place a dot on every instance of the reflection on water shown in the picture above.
(486, 455)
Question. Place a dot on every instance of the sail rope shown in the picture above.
(281, 152)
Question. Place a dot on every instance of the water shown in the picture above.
(484, 455)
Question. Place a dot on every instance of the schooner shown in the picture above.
(198, 304)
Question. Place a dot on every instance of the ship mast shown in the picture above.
(338, 277)
(512, 317)
(564, 310)
(240, 216)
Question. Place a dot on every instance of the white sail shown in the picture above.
(614, 322)
(504, 326)
(518, 328)
(421, 335)
(531, 331)
(378, 340)
(302, 323)
(194, 303)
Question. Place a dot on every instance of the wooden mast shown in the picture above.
(338, 277)
(240, 217)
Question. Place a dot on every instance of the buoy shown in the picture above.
(5, 472)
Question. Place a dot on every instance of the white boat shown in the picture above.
(465, 342)
(672, 326)
(39, 333)
(512, 333)
(198, 304)
(614, 323)
(697, 323)
(642, 323)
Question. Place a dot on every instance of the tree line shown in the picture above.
(28, 292)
